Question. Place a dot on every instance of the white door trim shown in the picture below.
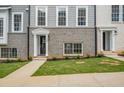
(36, 33)
(112, 46)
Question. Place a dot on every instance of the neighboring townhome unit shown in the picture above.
(110, 27)
(58, 31)
(13, 31)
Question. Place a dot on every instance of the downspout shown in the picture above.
(95, 30)
(28, 33)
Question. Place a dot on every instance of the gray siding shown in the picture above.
(19, 8)
(71, 16)
(18, 40)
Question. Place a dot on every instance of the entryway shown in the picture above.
(42, 45)
(40, 42)
(107, 40)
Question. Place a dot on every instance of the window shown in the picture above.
(61, 16)
(81, 13)
(1, 27)
(72, 48)
(41, 16)
(123, 12)
(17, 22)
(8, 52)
(115, 12)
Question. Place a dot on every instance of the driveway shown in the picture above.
(74, 80)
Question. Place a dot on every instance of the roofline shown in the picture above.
(4, 8)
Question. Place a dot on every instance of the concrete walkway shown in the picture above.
(74, 80)
(26, 71)
(116, 57)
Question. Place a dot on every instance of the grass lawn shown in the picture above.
(87, 65)
(7, 68)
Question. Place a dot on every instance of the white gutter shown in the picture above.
(4, 8)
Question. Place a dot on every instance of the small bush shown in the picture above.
(88, 56)
(54, 58)
(30, 58)
(66, 57)
(121, 53)
(78, 57)
(8, 61)
(100, 54)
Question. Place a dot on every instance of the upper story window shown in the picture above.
(17, 21)
(81, 18)
(41, 18)
(115, 12)
(62, 16)
(1, 27)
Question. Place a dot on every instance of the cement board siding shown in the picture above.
(71, 16)
(19, 8)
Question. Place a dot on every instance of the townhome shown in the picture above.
(110, 27)
(13, 31)
(58, 31)
(47, 31)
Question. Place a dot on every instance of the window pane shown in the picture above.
(81, 16)
(73, 48)
(115, 12)
(41, 17)
(8, 52)
(68, 48)
(123, 12)
(17, 22)
(1, 27)
(62, 16)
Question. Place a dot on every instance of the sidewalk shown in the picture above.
(25, 71)
(74, 80)
(116, 57)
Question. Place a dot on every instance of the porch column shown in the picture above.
(46, 44)
(113, 40)
(35, 45)
(101, 40)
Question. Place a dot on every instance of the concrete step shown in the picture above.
(109, 53)
(39, 59)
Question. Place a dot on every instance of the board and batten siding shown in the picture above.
(71, 16)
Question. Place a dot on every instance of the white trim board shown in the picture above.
(13, 13)
(36, 15)
(57, 9)
(86, 7)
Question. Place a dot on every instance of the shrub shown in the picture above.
(30, 58)
(78, 57)
(54, 58)
(100, 54)
(88, 56)
(121, 53)
(8, 61)
(66, 57)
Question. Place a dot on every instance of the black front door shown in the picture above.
(42, 45)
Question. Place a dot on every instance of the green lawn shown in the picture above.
(87, 65)
(7, 68)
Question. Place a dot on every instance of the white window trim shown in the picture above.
(36, 15)
(4, 25)
(57, 9)
(13, 13)
(86, 7)
(72, 54)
